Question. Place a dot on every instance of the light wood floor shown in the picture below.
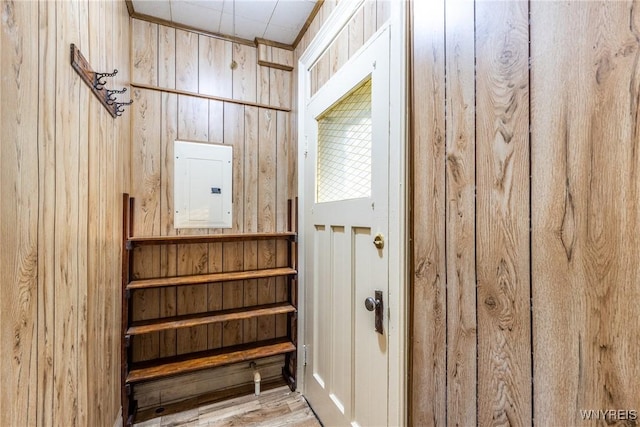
(276, 407)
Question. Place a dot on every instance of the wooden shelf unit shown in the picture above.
(137, 372)
(198, 279)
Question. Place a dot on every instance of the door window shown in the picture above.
(344, 148)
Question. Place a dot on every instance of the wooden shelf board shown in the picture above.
(134, 242)
(166, 367)
(186, 321)
(210, 278)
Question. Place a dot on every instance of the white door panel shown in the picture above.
(346, 377)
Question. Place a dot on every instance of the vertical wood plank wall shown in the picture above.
(460, 175)
(540, 197)
(185, 89)
(585, 209)
(502, 214)
(508, 325)
(428, 296)
(64, 164)
(371, 16)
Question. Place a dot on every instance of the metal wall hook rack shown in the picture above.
(97, 82)
(120, 107)
(111, 95)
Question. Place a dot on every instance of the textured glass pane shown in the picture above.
(344, 148)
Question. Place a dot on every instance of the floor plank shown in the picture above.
(276, 407)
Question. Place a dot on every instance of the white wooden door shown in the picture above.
(346, 207)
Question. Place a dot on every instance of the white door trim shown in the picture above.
(398, 241)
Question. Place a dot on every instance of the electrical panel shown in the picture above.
(202, 185)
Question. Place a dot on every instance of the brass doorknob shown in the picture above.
(378, 241)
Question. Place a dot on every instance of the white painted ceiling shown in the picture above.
(276, 20)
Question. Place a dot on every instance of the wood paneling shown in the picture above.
(186, 56)
(283, 186)
(326, 9)
(282, 56)
(63, 167)
(210, 97)
(66, 227)
(46, 250)
(214, 291)
(215, 67)
(356, 32)
(167, 57)
(565, 285)
(193, 125)
(266, 208)
(254, 135)
(244, 75)
(502, 218)
(280, 88)
(460, 215)
(97, 320)
(323, 71)
(145, 123)
(168, 254)
(428, 330)
(64, 162)
(191, 63)
(263, 84)
(122, 145)
(584, 206)
(233, 253)
(157, 393)
(144, 53)
(488, 321)
(251, 138)
(370, 18)
(554, 230)
(339, 51)
(19, 220)
(365, 22)
(383, 12)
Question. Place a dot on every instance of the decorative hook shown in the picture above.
(99, 81)
(120, 107)
(110, 99)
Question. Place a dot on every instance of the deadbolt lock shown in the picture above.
(378, 241)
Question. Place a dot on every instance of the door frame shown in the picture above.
(398, 304)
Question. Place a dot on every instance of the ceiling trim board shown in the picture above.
(178, 26)
(273, 44)
(129, 4)
(308, 22)
(203, 96)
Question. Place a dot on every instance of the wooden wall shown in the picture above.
(428, 298)
(64, 163)
(525, 212)
(366, 21)
(585, 207)
(184, 88)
